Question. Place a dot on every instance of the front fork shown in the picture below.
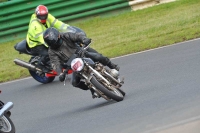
(99, 76)
(6, 108)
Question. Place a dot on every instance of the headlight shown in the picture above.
(77, 64)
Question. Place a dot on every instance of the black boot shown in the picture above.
(113, 66)
(82, 86)
(94, 94)
(43, 67)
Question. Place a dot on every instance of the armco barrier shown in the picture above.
(15, 14)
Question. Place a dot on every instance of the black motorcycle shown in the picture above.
(35, 72)
(6, 124)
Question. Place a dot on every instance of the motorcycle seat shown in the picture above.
(22, 47)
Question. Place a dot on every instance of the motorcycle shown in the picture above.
(103, 81)
(37, 73)
(6, 124)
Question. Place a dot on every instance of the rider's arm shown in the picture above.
(74, 37)
(59, 25)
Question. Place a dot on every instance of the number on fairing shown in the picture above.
(77, 64)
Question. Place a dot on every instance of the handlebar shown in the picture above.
(68, 63)
(87, 46)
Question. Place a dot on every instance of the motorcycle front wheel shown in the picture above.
(115, 94)
(6, 125)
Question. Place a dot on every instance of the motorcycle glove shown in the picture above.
(62, 77)
(80, 51)
(86, 41)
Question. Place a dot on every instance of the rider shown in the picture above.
(63, 45)
(40, 20)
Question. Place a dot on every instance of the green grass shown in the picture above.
(3, 1)
(126, 33)
(145, 29)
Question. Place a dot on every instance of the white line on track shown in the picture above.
(157, 48)
(15, 81)
(117, 57)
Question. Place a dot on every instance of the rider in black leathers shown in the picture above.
(63, 45)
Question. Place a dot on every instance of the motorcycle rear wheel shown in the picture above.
(115, 95)
(41, 79)
(6, 125)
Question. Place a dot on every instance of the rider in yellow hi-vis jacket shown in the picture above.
(39, 22)
(36, 29)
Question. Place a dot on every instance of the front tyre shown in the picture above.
(41, 79)
(115, 95)
(6, 125)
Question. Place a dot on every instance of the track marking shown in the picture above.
(118, 57)
(157, 48)
(15, 81)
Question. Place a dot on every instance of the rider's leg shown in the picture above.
(97, 57)
(76, 82)
(43, 51)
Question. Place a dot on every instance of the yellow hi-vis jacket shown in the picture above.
(36, 29)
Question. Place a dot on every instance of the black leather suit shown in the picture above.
(69, 46)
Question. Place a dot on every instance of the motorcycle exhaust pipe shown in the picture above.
(26, 65)
(6, 108)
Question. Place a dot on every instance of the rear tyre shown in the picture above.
(115, 95)
(41, 79)
(6, 125)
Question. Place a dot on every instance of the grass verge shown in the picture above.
(123, 34)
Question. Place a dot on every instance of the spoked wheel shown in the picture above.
(114, 94)
(6, 125)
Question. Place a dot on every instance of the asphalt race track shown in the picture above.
(163, 92)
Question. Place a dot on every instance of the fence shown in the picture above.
(15, 14)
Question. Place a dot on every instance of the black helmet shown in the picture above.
(52, 38)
